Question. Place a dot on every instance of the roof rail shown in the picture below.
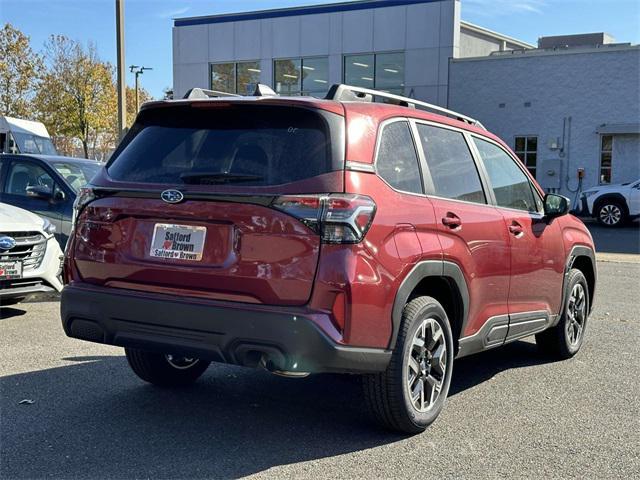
(202, 94)
(348, 93)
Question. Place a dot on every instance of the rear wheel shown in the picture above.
(410, 394)
(164, 369)
(611, 213)
(565, 339)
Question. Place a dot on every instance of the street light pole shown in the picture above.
(122, 94)
(137, 70)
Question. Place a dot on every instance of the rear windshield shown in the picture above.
(230, 144)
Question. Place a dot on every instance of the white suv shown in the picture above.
(30, 256)
(612, 205)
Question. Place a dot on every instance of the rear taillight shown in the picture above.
(84, 197)
(336, 217)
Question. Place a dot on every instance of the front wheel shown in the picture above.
(611, 214)
(165, 370)
(410, 394)
(565, 339)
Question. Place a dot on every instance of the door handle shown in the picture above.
(452, 221)
(516, 229)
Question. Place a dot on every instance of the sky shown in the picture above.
(148, 23)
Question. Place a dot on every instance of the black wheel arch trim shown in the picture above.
(422, 270)
(575, 253)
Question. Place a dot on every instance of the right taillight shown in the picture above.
(336, 217)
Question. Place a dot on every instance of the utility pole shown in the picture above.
(122, 93)
(137, 70)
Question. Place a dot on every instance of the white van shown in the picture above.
(24, 136)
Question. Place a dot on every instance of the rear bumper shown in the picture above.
(241, 334)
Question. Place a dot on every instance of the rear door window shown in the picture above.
(230, 144)
(397, 161)
(451, 165)
(510, 185)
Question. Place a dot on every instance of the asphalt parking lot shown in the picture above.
(510, 413)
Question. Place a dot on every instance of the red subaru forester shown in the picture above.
(339, 235)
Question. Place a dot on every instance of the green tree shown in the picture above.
(77, 95)
(20, 69)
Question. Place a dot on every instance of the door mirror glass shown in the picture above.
(42, 192)
(555, 205)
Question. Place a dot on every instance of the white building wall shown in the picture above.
(428, 33)
(591, 87)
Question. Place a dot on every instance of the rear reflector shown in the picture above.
(336, 217)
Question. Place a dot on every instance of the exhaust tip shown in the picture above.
(271, 367)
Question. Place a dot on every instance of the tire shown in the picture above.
(387, 394)
(565, 339)
(611, 213)
(165, 370)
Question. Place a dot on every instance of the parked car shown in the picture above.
(45, 185)
(30, 257)
(24, 136)
(339, 235)
(612, 205)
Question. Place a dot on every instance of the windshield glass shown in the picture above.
(78, 174)
(244, 145)
(29, 143)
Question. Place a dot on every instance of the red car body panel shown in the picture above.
(257, 255)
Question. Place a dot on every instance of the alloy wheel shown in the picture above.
(181, 363)
(610, 214)
(427, 365)
(576, 314)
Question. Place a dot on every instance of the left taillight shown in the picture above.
(85, 196)
(336, 217)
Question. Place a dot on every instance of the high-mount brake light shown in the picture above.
(336, 217)
(84, 197)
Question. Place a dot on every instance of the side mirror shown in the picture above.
(555, 206)
(39, 191)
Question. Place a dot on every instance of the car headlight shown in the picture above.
(48, 227)
(588, 194)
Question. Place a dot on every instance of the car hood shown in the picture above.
(14, 219)
(615, 187)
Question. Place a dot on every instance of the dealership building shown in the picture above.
(569, 103)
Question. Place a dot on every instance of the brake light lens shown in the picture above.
(336, 217)
(84, 197)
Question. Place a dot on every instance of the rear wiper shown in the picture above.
(217, 177)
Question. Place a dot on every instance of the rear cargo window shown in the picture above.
(230, 145)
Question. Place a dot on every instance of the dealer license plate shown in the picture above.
(10, 270)
(178, 242)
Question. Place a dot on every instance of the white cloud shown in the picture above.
(173, 13)
(492, 8)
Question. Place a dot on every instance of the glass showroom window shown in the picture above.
(302, 76)
(606, 156)
(240, 77)
(382, 71)
(527, 151)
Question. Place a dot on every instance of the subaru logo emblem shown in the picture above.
(7, 243)
(172, 196)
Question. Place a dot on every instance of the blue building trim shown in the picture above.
(296, 11)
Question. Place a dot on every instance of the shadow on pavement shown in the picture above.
(624, 239)
(9, 312)
(96, 419)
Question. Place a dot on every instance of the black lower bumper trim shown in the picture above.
(287, 339)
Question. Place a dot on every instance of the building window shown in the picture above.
(302, 76)
(606, 155)
(235, 77)
(527, 151)
(382, 71)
